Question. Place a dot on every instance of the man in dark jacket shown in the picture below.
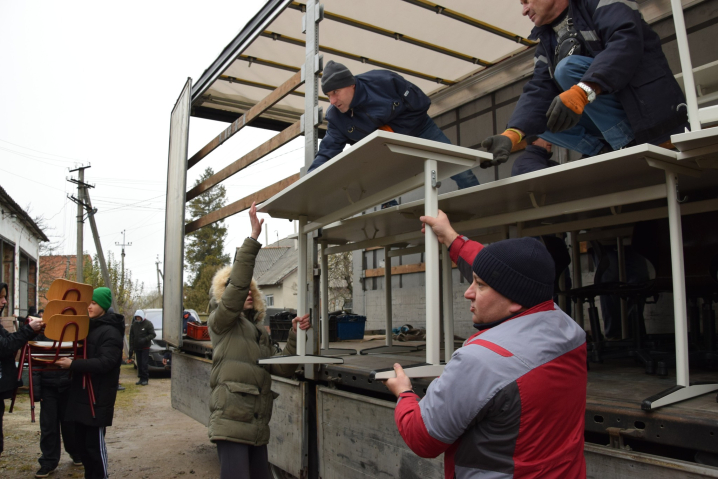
(104, 357)
(142, 332)
(600, 82)
(10, 344)
(510, 402)
(536, 156)
(375, 100)
(52, 389)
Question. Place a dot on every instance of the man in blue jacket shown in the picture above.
(601, 81)
(375, 100)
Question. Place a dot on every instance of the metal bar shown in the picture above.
(302, 287)
(684, 54)
(406, 251)
(258, 153)
(387, 294)
(263, 86)
(240, 205)
(431, 280)
(623, 218)
(262, 106)
(268, 63)
(679, 280)
(448, 300)
(394, 239)
(577, 279)
(325, 296)
(396, 36)
(622, 278)
(470, 21)
(340, 53)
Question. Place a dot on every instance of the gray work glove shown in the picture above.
(566, 110)
(498, 145)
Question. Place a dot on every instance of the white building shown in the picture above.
(276, 273)
(20, 239)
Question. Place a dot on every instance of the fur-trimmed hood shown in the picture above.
(219, 284)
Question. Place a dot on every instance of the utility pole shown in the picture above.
(81, 188)
(98, 246)
(159, 273)
(122, 276)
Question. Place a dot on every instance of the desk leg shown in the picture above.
(683, 389)
(302, 285)
(387, 294)
(325, 296)
(448, 300)
(577, 280)
(431, 259)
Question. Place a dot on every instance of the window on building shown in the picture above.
(28, 283)
(270, 300)
(7, 255)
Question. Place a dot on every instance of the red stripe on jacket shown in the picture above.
(551, 406)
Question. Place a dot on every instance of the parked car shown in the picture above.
(159, 346)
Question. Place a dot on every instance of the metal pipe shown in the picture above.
(679, 280)
(622, 278)
(387, 294)
(577, 280)
(431, 208)
(324, 261)
(302, 287)
(686, 64)
(448, 301)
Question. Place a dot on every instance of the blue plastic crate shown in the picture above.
(350, 326)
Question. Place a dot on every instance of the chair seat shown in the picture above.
(50, 344)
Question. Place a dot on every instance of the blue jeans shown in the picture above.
(603, 121)
(430, 131)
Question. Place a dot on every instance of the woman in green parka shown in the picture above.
(241, 399)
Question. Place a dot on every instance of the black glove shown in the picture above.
(498, 145)
(566, 109)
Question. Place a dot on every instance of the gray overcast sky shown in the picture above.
(95, 82)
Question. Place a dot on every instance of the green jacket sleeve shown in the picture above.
(232, 302)
(287, 370)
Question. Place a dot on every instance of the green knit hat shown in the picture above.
(103, 297)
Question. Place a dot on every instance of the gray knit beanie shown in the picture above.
(521, 270)
(336, 76)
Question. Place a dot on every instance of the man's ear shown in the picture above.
(515, 307)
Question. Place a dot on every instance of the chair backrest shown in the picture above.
(66, 290)
(57, 306)
(55, 325)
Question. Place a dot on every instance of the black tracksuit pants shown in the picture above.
(52, 427)
(92, 450)
(143, 364)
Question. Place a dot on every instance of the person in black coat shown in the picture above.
(536, 156)
(104, 357)
(52, 389)
(10, 344)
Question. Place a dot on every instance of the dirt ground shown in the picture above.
(149, 439)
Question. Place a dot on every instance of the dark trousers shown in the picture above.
(2, 413)
(90, 442)
(242, 461)
(143, 364)
(52, 427)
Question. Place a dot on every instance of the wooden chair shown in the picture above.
(66, 332)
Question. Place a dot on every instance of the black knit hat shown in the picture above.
(521, 270)
(336, 76)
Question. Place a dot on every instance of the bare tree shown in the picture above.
(340, 280)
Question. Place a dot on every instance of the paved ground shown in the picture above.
(148, 440)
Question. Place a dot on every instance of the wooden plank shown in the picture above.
(240, 205)
(287, 426)
(262, 150)
(401, 269)
(190, 386)
(263, 105)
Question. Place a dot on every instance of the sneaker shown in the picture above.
(45, 471)
(76, 461)
(120, 387)
(139, 383)
(144, 383)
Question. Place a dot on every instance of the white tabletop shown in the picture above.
(367, 168)
(613, 172)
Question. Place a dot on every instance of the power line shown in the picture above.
(38, 151)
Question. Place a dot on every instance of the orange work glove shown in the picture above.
(566, 109)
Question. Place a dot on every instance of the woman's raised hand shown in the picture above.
(256, 222)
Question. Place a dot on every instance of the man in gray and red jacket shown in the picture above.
(511, 401)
